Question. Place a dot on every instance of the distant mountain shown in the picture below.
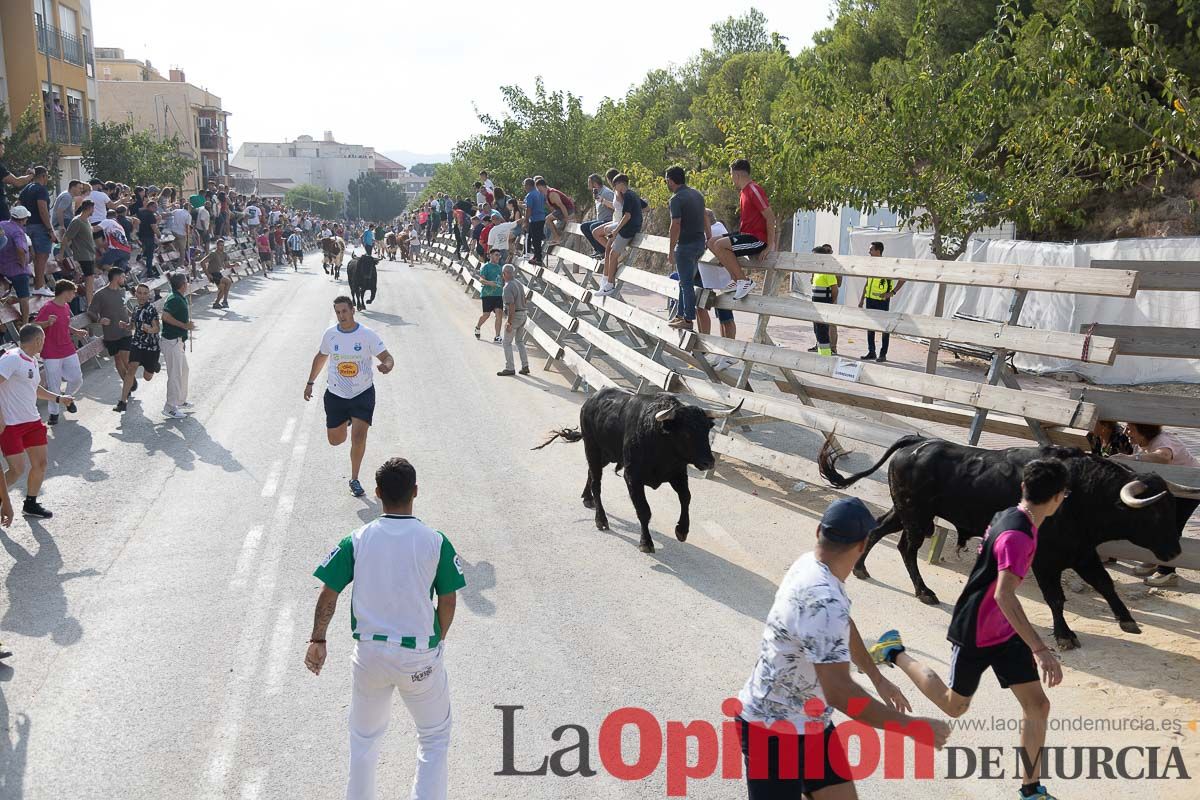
(408, 158)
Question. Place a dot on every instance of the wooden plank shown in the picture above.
(1057, 344)
(544, 340)
(589, 373)
(659, 375)
(1111, 283)
(788, 411)
(1146, 407)
(554, 312)
(643, 320)
(1185, 476)
(1158, 276)
(794, 466)
(659, 284)
(1046, 408)
(1127, 551)
(566, 286)
(1147, 340)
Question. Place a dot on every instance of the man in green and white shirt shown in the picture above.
(399, 566)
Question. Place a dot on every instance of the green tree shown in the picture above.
(371, 197)
(25, 147)
(310, 197)
(115, 151)
(423, 169)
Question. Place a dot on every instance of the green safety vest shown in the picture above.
(878, 287)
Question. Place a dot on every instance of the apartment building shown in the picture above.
(327, 163)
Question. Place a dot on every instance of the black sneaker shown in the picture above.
(356, 488)
(120, 406)
(812, 349)
(497, 340)
(33, 508)
(523, 371)
(134, 387)
(881, 360)
(868, 357)
(505, 372)
(53, 420)
(72, 409)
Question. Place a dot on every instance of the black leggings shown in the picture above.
(878, 305)
(537, 233)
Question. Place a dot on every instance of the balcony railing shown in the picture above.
(66, 131)
(56, 44)
(79, 130)
(211, 141)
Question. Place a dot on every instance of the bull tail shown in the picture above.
(566, 434)
(828, 458)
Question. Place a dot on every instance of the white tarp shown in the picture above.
(1053, 311)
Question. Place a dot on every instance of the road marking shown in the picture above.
(252, 786)
(246, 557)
(281, 651)
(248, 653)
(288, 429)
(272, 482)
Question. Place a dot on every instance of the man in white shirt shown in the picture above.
(180, 225)
(803, 671)
(397, 565)
(203, 219)
(253, 219)
(349, 348)
(101, 200)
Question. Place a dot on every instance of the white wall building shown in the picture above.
(327, 163)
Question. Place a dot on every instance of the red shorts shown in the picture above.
(17, 438)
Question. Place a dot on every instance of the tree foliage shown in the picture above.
(957, 114)
(310, 197)
(423, 169)
(116, 152)
(370, 197)
(25, 146)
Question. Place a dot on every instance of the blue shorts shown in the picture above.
(40, 238)
(20, 284)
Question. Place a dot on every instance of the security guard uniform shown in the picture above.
(823, 286)
(876, 294)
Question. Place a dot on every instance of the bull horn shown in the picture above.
(1129, 495)
(1179, 490)
(714, 414)
(667, 413)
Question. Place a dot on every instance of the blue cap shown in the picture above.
(847, 520)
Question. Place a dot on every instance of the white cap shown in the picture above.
(19, 212)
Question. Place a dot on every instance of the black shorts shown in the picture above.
(88, 268)
(790, 783)
(491, 304)
(1012, 662)
(148, 359)
(340, 410)
(746, 245)
(117, 345)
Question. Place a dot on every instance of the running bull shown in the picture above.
(653, 438)
(362, 276)
(965, 486)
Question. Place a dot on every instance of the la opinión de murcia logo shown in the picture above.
(721, 752)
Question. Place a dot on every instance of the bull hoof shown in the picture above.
(928, 598)
(681, 533)
(1129, 626)
(861, 573)
(1068, 642)
(646, 547)
(589, 503)
(601, 524)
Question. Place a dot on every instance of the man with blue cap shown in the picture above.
(803, 671)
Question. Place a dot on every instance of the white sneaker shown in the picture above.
(732, 285)
(174, 413)
(45, 291)
(1168, 579)
(186, 404)
(742, 289)
(1145, 568)
(606, 290)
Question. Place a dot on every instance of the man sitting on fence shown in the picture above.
(757, 233)
(627, 226)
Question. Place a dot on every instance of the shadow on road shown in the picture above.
(14, 745)
(481, 576)
(184, 440)
(37, 602)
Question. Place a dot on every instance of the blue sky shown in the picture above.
(408, 76)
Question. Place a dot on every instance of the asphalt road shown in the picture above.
(159, 619)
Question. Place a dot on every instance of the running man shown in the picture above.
(398, 564)
(144, 348)
(757, 229)
(989, 629)
(349, 347)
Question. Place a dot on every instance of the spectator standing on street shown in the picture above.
(180, 225)
(516, 315)
(144, 347)
(690, 232)
(253, 218)
(148, 235)
(491, 295)
(216, 265)
(625, 227)
(1156, 446)
(23, 441)
(604, 213)
(176, 325)
(535, 216)
(756, 230)
(80, 244)
(109, 309)
(14, 255)
(877, 295)
(58, 350)
(40, 228)
(398, 566)
(825, 288)
(277, 244)
(203, 223)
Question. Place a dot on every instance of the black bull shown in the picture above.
(362, 275)
(966, 486)
(653, 438)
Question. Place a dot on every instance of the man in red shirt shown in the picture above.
(58, 352)
(757, 229)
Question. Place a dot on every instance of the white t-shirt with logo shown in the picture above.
(100, 209)
(252, 213)
(18, 392)
(713, 275)
(809, 623)
(498, 235)
(351, 359)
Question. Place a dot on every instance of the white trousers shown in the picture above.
(174, 353)
(62, 369)
(420, 678)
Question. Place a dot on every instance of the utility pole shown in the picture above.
(52, 127)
